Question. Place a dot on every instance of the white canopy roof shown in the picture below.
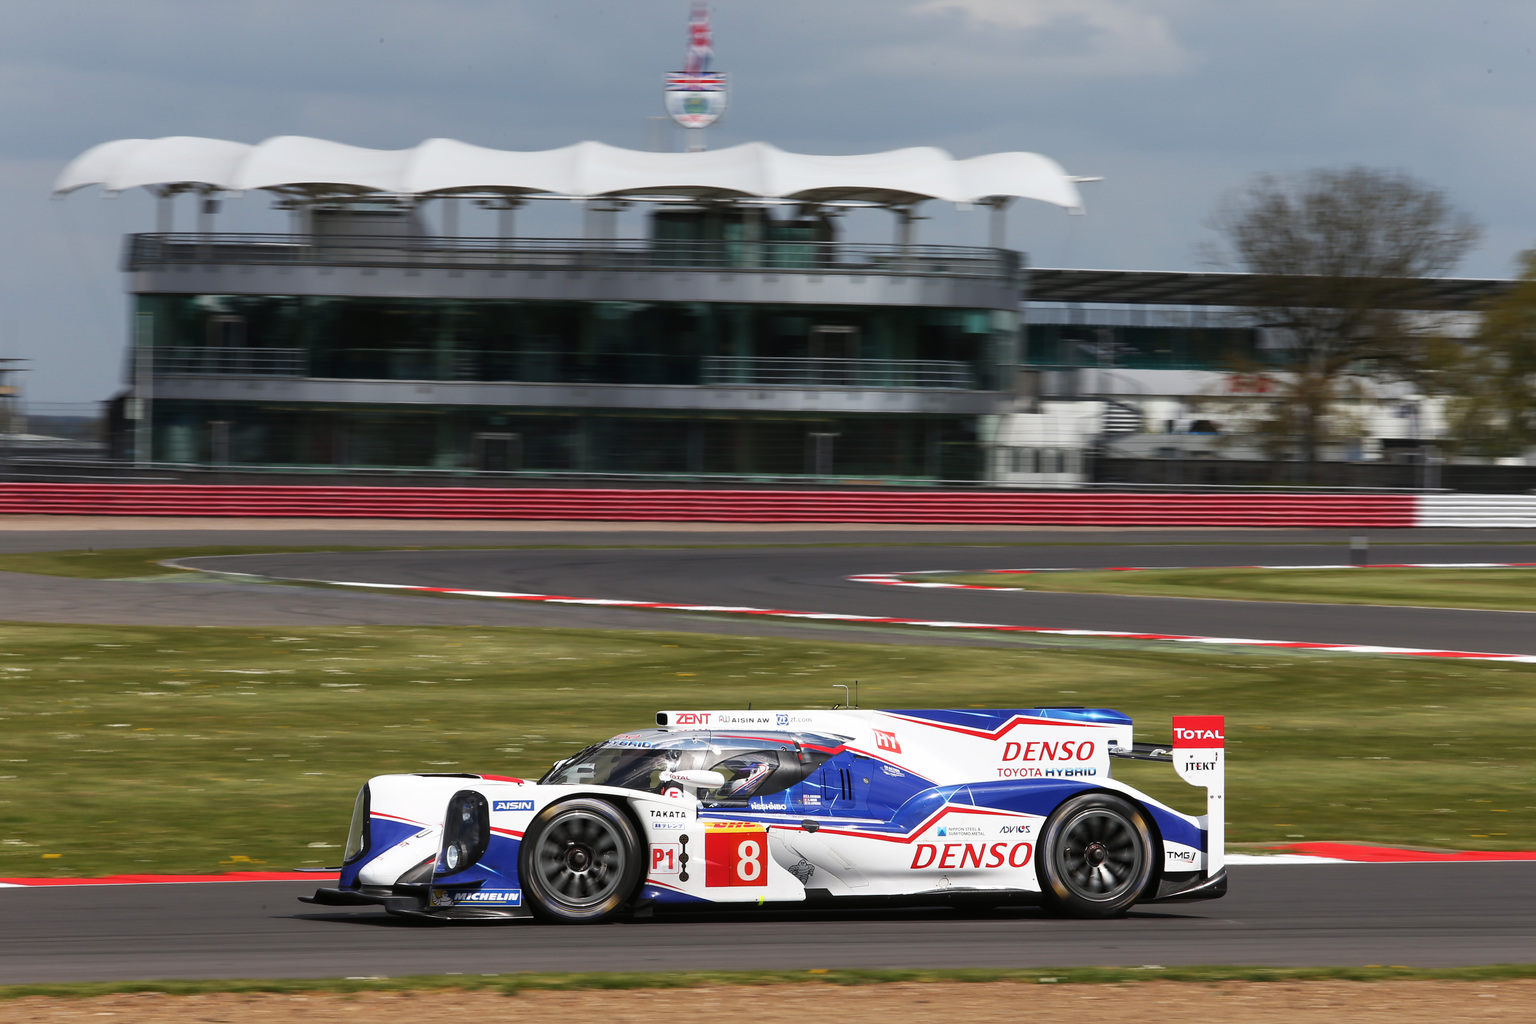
(295, 163)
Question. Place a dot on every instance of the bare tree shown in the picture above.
(1490, 378)
(1337, 255)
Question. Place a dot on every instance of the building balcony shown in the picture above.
(711, 371)
(430, 252)
(571, 269)
(837, 373)
(242, 362)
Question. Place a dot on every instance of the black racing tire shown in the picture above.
(1094, 858)
(580, 861)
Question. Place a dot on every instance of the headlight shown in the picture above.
(466, 831)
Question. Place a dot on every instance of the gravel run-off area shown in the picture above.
(1300, 1002)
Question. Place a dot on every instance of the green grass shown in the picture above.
(1512, 589)
(184, 749)
(136, 563)
(511, 984)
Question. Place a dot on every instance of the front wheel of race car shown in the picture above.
(1095, 856)
(580, 861)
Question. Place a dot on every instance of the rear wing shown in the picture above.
(1199, 756)
(1144, 752)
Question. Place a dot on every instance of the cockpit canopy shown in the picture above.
(753, 766)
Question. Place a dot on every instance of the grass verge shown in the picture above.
(137, 563)
(511, 984)
(195, 750)
(1512, 589)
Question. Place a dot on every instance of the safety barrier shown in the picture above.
(733, 506)
(1477, 510)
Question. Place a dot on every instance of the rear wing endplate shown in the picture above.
(1199, 755)
(1200, 758)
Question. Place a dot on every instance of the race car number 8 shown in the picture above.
(735, 858)
(749, 867)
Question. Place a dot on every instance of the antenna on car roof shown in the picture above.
(846, 698)
(855, 693)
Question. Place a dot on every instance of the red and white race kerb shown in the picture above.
(902, 579)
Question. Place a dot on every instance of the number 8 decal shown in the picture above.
(748, 867)
(736, 854)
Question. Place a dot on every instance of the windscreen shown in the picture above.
(605, 766)
(751, 766)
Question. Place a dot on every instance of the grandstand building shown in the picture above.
(735, 335)
(739, 336)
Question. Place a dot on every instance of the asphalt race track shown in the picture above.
(814, 580)
(1282, 915)
(1422, 915)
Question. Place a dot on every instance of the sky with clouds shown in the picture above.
(1176, 102)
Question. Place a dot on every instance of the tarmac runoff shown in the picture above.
(879, 620)
(898, 579)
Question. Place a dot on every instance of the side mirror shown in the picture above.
(701, 779)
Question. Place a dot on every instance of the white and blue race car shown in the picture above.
(732, 807)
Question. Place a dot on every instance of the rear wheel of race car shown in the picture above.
(1095, 856)
(580, 861)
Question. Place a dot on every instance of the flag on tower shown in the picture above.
(696, 96)
(700, 51)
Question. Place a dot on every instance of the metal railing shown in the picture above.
(245, 362)
(849, 373)
(146, 251)
(652, 369)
